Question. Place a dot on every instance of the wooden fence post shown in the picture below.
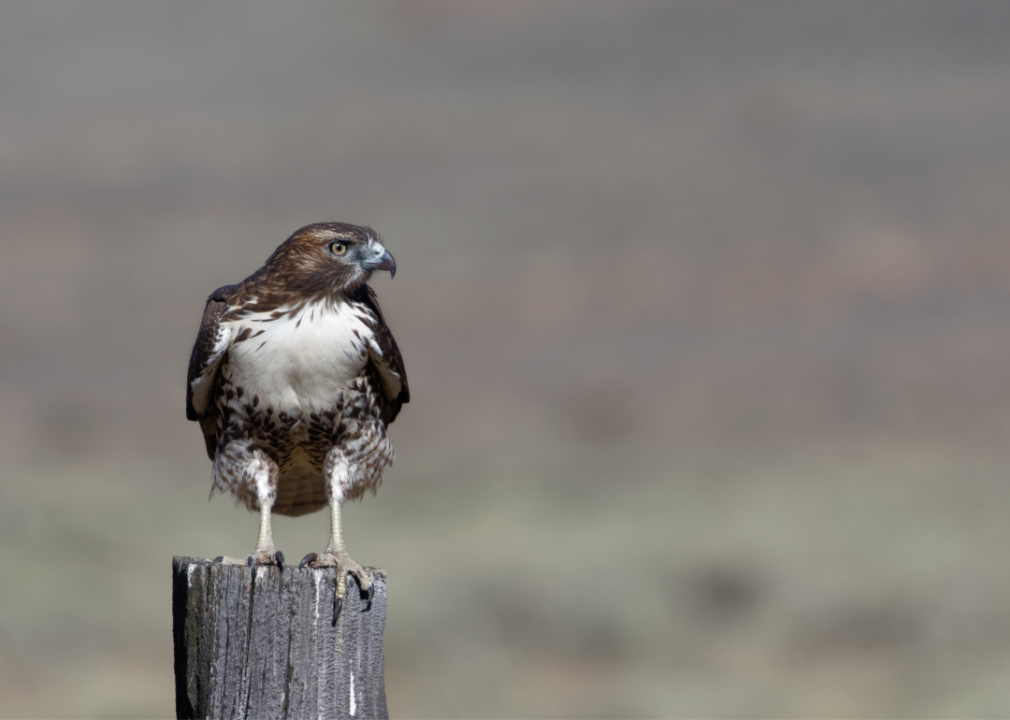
(260, 643)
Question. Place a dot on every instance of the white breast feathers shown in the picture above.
(299, 358)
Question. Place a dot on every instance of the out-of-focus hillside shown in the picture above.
(704, 308)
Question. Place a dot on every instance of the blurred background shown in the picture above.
(705, 308)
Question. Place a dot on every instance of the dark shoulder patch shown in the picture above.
(390, 353)
(204, 363)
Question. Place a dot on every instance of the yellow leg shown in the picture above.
(265, 543)
(336, 556)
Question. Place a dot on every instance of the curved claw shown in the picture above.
(308, 560)
(338, 605)
(219, 559)
(272, 558)
(369, 595)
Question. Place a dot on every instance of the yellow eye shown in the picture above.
(338, 248)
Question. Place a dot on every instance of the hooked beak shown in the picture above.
(382, 260)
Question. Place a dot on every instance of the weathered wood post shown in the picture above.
(258, 642)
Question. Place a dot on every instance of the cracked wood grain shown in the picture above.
(259, 642)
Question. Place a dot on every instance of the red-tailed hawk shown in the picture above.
(293, 378)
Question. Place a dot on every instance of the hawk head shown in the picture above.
(328, 258)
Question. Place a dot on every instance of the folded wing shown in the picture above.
(385, 358)
(212, 342)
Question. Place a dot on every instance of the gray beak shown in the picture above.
(382, 260)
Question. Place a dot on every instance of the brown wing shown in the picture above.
(211, 344)
(385, 359)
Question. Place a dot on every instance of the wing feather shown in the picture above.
(212, 342)
(385, 358)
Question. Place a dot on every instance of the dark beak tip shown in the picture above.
(385, 261)
(388, 262)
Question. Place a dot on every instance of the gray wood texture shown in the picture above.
(260, 643)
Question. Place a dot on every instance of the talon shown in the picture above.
(369, 594)
(250, 561)
(308, 560)
(219, 559)
(338, 604)
(279, 557)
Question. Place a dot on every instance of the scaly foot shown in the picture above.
(345, 564)
(266, 557)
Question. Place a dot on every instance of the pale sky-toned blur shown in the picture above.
(705, 308)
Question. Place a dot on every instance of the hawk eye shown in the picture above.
(338, 248)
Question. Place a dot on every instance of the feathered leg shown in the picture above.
(337, 479)
(252, 475)
(265, 473)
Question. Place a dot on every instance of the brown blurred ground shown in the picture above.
(706, 310)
